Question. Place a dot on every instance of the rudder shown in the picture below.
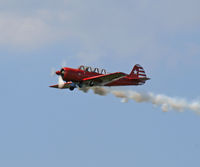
(138, 72)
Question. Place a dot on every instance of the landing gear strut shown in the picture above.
(80, 85)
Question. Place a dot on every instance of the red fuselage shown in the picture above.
(77, 75)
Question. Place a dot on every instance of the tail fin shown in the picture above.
(138, 72)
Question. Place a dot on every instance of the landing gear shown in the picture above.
(71, 88)
(80, 85)
(91, 83)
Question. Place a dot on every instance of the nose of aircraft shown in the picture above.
(58, 72)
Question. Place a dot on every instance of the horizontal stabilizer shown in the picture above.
(65, 86)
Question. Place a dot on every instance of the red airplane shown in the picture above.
(70, 78)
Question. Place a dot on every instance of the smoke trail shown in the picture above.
(165, 102)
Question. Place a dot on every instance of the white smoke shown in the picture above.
(165, 102)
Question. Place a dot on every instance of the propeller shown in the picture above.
(63, 64)
(61, 73)
(61, 83)
(53, 72)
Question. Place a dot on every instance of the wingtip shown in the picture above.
(53, 86)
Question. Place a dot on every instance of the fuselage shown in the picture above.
(77, 75)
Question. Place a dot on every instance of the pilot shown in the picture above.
(87, 69)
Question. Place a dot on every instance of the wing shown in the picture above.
(101, 80)
(66, 86)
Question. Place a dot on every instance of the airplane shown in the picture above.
(84, 76)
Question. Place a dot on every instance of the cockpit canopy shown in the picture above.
(90, 69)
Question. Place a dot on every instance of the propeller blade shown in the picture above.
(63, 64)
(53, 71)
(61, 83)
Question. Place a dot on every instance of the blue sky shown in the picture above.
(40, 126)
